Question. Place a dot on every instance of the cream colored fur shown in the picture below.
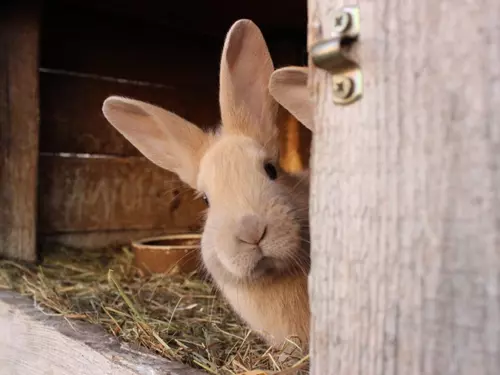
(255, 242)
(288, 86)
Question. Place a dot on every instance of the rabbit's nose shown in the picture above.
(251, 229)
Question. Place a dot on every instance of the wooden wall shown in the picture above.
(94, 187)
(19, 116)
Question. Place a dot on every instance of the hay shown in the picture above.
(180, 318)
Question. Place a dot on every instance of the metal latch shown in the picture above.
(330, 55)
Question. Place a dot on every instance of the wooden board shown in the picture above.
(405, 205)
(82, 194)
(72, 119)
(19, 112)
(34, 342)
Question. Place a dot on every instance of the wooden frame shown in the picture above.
(19, 121)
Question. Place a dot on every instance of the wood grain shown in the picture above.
(405, 202)
(19, 113)
(72, 119)
(36, 343)
(83, 194)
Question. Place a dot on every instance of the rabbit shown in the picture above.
(288, 86)
(255, 242)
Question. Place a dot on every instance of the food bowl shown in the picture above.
(173, 253)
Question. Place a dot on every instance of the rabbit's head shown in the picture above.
(256, 224)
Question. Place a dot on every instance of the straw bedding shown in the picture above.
(179, 317)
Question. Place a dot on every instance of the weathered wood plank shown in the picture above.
(19, 112)
(405, 205)
(35, 343)
(79, 194)
(72, 120)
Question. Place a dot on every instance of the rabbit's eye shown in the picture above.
(205, 199)
(271, 171)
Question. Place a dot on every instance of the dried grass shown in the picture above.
(179, 317)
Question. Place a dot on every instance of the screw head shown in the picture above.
(342, 21)
(342, 86)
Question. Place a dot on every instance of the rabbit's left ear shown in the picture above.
(166, 139)
(288, 86)
(246, 67)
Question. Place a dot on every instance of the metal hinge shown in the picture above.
(330, 55)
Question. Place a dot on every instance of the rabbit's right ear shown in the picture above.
(288, 86)
(163, 137)
(245, 69)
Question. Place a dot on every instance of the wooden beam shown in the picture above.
(72, 119)
(87, 193)
(405, 206)
(35, 343)
(19, 113)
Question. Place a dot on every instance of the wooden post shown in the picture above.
(405, 206)
(19, 113)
